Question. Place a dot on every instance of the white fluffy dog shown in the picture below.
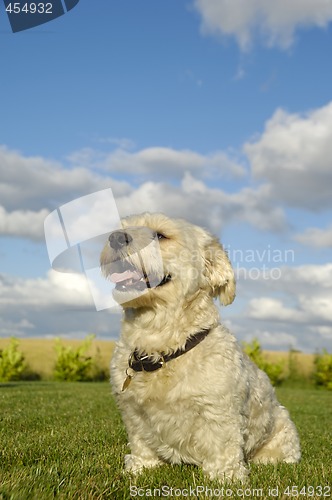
(186, 390)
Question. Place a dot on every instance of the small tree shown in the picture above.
(12, 362)
(323, 369)
(72, 365)
(275, 371)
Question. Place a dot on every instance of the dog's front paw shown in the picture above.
(135, 464)
(225, 474)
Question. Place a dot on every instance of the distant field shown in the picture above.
(303, 363)
(40, 353)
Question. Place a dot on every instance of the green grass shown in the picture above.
(67, 441)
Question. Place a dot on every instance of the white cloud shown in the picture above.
(297, 304)
(294, 153)
(161, 162)
(309, 276)
(208, 207)
(67, 289)
(272, 309)
(256, 207)
(315, 237)
(31, 186)
(292, 281)
(274, 22)
(57, 304)
(272, 335)
(33, 183)
(201, 206)
(23, 223)
(323, 331)
(318, 306)
(274, 340)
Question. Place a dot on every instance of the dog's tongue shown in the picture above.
(126, 275)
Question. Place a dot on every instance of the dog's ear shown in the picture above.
(219, 272)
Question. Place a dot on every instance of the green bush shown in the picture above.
(323, 370)
(12, 362)
(72, 365)
(275, 371)
(98, 372)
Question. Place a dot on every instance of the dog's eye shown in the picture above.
(160, 236)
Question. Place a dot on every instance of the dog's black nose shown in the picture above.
(119, 239)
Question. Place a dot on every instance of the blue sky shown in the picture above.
(202, 109)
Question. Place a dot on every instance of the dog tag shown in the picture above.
(126, 382)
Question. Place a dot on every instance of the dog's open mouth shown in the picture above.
(126, 277)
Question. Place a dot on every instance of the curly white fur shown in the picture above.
(211, 406)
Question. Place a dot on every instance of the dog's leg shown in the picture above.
(283, 445)
(141, 456)
(226, 466)
(223, 450)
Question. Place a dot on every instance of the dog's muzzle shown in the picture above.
(127, 275)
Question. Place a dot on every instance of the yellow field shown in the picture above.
(40, 355)
(303, 363)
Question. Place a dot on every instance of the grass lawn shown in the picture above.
(66, 441)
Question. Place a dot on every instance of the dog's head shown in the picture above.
(155, 258)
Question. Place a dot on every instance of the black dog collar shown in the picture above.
(144, 362)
